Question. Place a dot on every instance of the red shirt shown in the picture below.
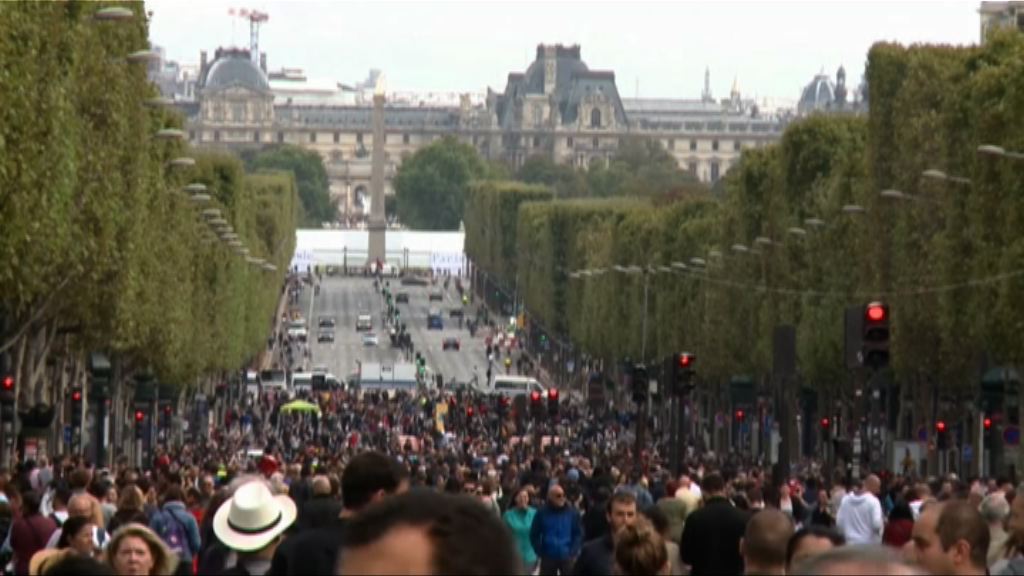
(28, 536)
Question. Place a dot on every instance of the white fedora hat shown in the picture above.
(253, 517)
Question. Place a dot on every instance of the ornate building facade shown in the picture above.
(558, 108)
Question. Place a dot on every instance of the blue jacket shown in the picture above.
(556, 533)
(187, 520)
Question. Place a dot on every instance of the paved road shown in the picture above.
(344, 298)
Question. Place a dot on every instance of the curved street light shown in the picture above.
(195, 187)
(814, 222)
(200, 198)
(740, 248)
(895, 195)
(113, 14)
(170, 134)
(143, 56)
(212, 213)
(853, 209)
(763, 241)
(797, 231)
(1000, 151)
(182, 162)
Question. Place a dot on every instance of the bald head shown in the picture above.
(873, 484)
(80, 506)
(765, 540)
(321, 486)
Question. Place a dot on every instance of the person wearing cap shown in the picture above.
(251, 523)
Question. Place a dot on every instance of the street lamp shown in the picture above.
(763, 241)
(853, 209)
(698, 262)
(797, 231)
(940, 175)
(212, 213)
(740, 248)
(895, 195)
(195, 188)
(143, 56)
(814, 222)
(200, 198)
(113, 14)
(182, 162)
(170, 134)
(679, 265)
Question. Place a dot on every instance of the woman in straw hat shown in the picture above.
(251, 523)
(135, 550)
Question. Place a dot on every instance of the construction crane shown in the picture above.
(255, 18)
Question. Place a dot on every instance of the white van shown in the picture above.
(513, 386)
(364, 322)
(302, 382)
(273, 380)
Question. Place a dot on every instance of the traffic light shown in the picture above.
(535, 404)
(553, 402)
(469, 411)
(640, 384)
(76, 407)
(875, 336)
(826, 428)
(7, 390)
(740, 415)
(140, 419)
(941, 439)
(987, 423)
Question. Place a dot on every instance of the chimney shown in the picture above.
(263, 62)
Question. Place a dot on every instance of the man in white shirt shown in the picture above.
(860, 514)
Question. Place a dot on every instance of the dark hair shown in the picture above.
(713, 483)
(766, 537)
(901, 511)
(467, 538)
(813, 531)
(958, 520)
(79, 479)
(71, 527)
(367, 474)
(173, 493)
(657, 517)
(621, 497)
(76, 565)
(30, 503)
(62, 493)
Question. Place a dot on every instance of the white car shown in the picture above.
(370, 339)
(297, 330)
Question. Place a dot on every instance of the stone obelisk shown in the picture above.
(377, 224)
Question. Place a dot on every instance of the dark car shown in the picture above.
(435, 296)
(456, 312)
(414, 281)
(325, 336)
(326, 322)
(402, 298)
(451, 344)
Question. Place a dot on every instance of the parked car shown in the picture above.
(402, 298)
(456, 312)
(325, 336)
(370, 339)
(435, 296)
(327, 322)
(451, 344)
(297, 330)
(364, 322)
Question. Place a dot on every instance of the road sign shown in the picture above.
(1011, 435)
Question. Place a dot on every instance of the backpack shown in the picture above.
(174, 534)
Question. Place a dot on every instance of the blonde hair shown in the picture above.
(639, 550)
(131, 499)
(165, 562)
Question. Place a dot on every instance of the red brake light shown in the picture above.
(535, 396)
(553, 393)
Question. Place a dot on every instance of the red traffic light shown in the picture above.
(8, 383)
(469, 411)
(824, 422)
(76, 396)
(739, 414)
(534, 396)
(139, 416)
(987, 422)
(940, 426)
(875, 312)
(686, 360)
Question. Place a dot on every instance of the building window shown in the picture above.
(597, 143)
(692, 167)
(337, 137)
(714, 171)
(280, 137)
(536, 141)
(312, 137)
(595, 118)
(216, 135)
(714, 145)
(405, 138)
(736, 145)
(256, 136)
(693, 145)
(359, 137)
(568, 142)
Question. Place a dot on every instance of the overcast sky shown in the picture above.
(772, 48)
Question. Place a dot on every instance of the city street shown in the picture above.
(345, 298)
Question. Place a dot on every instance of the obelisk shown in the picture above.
(377, 224)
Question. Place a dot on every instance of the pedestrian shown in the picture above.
(995, 510)
(640, 551)
(597, 556)
(900, 527)
(556, 534)
(129, 509)
(951, 538)
(764, 542)
(136, 551)
(660, 522)
(177, 528)
(251, 524)
(519, 519)
(30, 532)
(808, 542)
(711, 537)
(425, 532)
(860, 513)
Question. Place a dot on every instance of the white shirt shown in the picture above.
(860, 519)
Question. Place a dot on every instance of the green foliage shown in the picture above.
(431, 185)
(98, 235)
(310, 177)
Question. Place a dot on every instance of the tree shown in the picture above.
(563, 179)
(431, 185)
(310, 177)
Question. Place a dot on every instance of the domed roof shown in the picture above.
(568, 65)
(236, 69)
(817, 95)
